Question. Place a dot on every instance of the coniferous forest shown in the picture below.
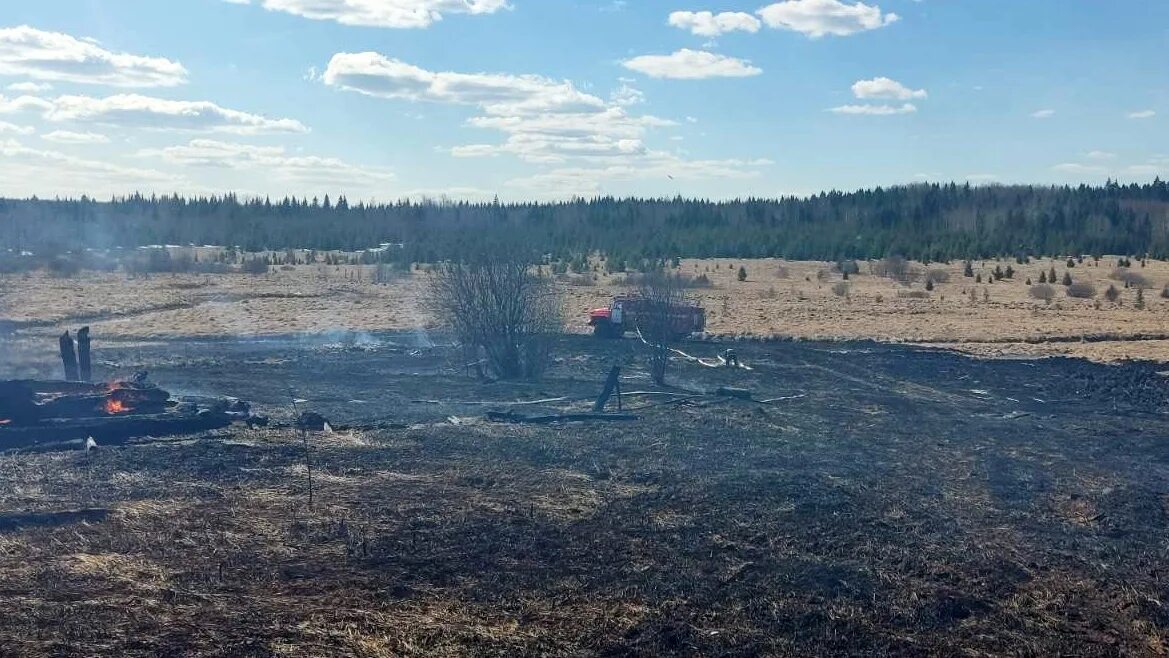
(929, 222)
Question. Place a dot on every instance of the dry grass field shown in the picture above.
(805, 300)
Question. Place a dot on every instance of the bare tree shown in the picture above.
(662, 296)
(1044, 292)
(498, 305)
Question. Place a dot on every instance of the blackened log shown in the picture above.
(111, 430)
(612, 384)
(84, 363)
(69, 357)
(510, 417)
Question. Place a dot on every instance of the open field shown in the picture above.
(793, 299)
(1023, 510)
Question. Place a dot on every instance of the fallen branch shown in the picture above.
(511, 417)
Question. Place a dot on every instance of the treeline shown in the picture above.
(928, 222)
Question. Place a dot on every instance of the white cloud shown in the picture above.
(136, 111)
(1142, 114)
(875, 110)
(33, 53)
(13, 129)
(885, 88)
(26, 171)
(1077, 169)
(68, 137)
(708, 24)
(626, 96)
(290, 172)
(29, 87)
(687, 64)
(380, 13)
(374, 74)
(1042, 114)
(544, 122)
(1100, 155)
(818, 18)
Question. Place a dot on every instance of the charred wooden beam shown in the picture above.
(612, 385)
(68, 357)
(84, 362)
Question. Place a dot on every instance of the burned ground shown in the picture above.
(889, 501)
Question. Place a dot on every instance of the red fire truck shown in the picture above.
(630, 313)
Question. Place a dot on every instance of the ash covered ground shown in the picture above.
(888, 500)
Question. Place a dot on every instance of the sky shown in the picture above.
(379, 100)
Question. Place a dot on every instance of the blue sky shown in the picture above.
(545, 99)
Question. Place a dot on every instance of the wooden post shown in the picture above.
(68, 357)
(85, 364)
(612, 384)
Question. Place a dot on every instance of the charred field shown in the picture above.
(882, 500)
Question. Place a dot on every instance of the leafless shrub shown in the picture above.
(849, 267)
(1043, 291)
(1133, 279)
(1165, 292)
(771, 293)
(912, 294)
(781, 272)
(65, 267)
(840, 289)
(938, 275)
(1082, 291)
(896, 268)
(662, 295)
(497, 305)
(254, 265)
(387, 273)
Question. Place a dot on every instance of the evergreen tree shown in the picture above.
(1067, 278)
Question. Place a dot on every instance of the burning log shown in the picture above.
(84, 362)
(68, 357)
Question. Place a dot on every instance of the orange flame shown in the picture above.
(114, 407)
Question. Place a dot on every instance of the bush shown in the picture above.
(1082, 291)
(848, 267)
(1165, 292)
(840, 289)
(254, 265)
(63, 266)
(1131, 279)
(894, 267)
(498, 307)
(1112, 294)
(912, 294)
(1043, 291)
(937, 275)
